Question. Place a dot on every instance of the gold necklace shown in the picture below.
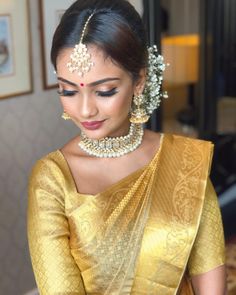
(113, 147)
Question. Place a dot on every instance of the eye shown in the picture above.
(65, 92)
(108, 93)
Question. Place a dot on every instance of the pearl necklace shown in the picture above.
(113, 147)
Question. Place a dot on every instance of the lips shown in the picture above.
(92, 125)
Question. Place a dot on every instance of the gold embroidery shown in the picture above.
(105, 232)
(109, 248)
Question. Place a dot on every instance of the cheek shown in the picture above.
(122, 103)
(126, 102)
(67, 104)
(117, 106)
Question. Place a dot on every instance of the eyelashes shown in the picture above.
(108, 93)
(64, 92)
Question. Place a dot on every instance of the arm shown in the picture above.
(206, 263)
(48, 233)
(212, 282)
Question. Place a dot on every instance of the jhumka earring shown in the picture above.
(80, 59)
(143, 105)
(138, 113)
(65, 116)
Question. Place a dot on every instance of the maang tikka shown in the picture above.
(80, 59)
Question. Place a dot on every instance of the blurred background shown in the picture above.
(197, 39)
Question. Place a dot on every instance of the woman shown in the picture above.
(120, 210)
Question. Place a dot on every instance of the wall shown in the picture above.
(138, 4)
(30, 127)
(183, 16)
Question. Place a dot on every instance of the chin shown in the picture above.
(95, 134)
(106, 130)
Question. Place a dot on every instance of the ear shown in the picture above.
(140, 82)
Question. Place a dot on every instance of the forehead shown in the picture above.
(103, 66)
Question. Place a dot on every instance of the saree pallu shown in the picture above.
(146, 234)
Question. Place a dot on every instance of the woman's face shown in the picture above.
(100, 101)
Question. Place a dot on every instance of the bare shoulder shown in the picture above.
(149, 147)
(152, 136)
(152, 140)
(77, 159)
(71, 147)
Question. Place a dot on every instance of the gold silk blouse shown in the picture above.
(146, 234)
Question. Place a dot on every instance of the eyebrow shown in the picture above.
(90, 84)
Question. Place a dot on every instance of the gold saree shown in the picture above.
(146, 234)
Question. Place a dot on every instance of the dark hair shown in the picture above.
(116, 28)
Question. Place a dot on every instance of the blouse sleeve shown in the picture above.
(48, 233)
(208, 250)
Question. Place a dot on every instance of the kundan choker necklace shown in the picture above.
(113, 147)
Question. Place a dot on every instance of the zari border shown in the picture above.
(175, 214)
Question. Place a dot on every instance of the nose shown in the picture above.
(88, 107)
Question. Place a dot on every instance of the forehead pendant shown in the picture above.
(80, 59)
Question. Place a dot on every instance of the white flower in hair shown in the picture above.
(152, 90)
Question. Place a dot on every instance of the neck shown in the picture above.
(112, 147)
